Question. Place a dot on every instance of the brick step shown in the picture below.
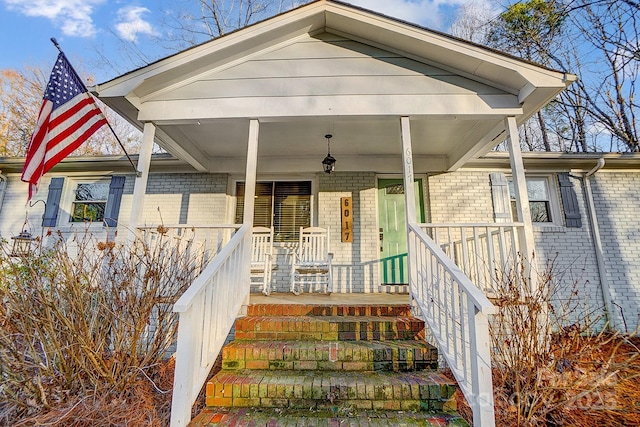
(330, 356)
(328, 310)
(423, 390)
(329, 328)
(265, 417)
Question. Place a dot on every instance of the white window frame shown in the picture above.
(554, 200)
(69, 198)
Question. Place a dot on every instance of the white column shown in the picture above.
(140, 187)
(249, 197)
(409, 198)
(250, 178)
(522, 197)
(407, 169)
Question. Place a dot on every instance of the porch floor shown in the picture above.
(333, 299)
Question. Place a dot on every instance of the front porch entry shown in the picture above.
(397, 98)
(393, 228)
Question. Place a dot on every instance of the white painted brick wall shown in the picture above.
(617, 202)
(572, 253)
(182, 198)
(463, 196)
(355, 263)
(460, 197)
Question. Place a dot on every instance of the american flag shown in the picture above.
(68, 117)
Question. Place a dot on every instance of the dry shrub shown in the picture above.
(555, 362)
(85, 330)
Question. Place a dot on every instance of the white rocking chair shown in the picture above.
(312, 261)
(262, 258)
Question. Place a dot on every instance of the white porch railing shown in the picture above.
(206, 239)
(484, 252)
(455, 311)
(207, 312)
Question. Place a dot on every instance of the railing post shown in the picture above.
(482, 403)
(182, 399)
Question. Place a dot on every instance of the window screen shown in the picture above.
(283, 205)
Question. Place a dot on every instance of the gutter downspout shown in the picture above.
(597, 242)
(3, 187)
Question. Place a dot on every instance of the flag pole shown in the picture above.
(55, 43)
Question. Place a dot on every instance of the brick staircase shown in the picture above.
(306, 365)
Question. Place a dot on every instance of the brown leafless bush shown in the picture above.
(555, 361)
(85, 333)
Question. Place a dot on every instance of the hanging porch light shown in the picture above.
(329, 162)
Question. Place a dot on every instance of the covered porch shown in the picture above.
(400, 102)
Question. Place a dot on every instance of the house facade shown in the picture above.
(416, 202)
(603, 268)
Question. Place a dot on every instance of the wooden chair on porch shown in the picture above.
(312, 261)
(262, 258)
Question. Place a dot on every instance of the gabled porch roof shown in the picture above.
(330, 67)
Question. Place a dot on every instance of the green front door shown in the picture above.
(393, 228)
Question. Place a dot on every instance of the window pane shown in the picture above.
(540, 211)
(88, 212)
(285, 206)
(262, 204)
(537, 189)
(90, 202)
(292, 209)
(539, 204)
(394, 189)
(93, 191)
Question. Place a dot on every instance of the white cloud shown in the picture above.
(72, 16)
(428, 13)
(131, 23)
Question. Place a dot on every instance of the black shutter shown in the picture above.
(501, 198)
(112, 209)
(50, 216)
(569, 201)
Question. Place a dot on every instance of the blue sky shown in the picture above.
(84, 26)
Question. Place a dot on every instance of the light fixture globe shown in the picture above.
(329, 162)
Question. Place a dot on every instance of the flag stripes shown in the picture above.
(68, 117)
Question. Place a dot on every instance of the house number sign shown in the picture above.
(346, 212)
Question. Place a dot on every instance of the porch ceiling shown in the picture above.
(299, 144)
